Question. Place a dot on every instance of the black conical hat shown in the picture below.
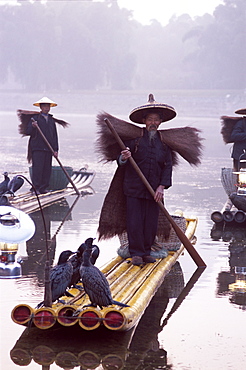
(241, 111)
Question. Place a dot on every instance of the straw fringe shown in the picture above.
(112, 220)
(228, 124)
(185, 141)
(25, 116)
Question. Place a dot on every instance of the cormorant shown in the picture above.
(4, 183)
(94, 252)
(77, 258)
(15, 184)
(60, 276)
(4, 200)
(94, 282)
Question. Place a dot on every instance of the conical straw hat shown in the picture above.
(45, 100)
(165, 111)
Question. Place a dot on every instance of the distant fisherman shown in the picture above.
(233, 130)
(41, 154)
(238, 136)
(38, 151)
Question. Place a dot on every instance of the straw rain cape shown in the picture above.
(24, 117)
(228, 124)
(184, 141)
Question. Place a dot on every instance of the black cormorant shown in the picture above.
(4, 200)
(4, 183)
(94, 252)
(77, 258)
(60, 276)
(94, 282)
(15, 184)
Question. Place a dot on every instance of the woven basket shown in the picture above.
(228, 179)
(161, 246)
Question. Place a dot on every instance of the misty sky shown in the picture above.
(163, 10)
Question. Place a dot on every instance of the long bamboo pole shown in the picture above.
(182, 237)
(58, 160)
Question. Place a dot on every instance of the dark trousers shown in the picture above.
(142, 220)
(41, 169)
(236, 164)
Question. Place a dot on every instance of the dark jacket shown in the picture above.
(238, 136)
(155, 162)
(36, 142)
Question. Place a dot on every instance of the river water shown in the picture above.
(204, 328)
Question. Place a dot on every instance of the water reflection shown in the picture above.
(71, 347)
(232, 282)
(36, 247)
(233, 233)
(198, 324)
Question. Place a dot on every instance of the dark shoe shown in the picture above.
(137, 260)
(33, 192)
(149, 259)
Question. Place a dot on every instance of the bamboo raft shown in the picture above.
(27, 202)
(71, 347)
(229, 213)
(133, 285)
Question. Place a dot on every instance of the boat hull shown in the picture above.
(29, 203)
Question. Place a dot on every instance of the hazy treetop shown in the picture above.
(76, 45)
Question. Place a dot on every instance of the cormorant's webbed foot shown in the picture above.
(79, 287)
(90, 305)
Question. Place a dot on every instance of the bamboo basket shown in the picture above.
(228, 179)
(161, 247)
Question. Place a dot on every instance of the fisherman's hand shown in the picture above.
(34, 123)
(125, 154)
(55, 154)
(159, 193)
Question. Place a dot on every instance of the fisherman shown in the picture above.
(154, 159)
(238, 137)
(234, 131)
(41, 154)
(128, 205)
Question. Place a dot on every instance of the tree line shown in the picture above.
(96, 45)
